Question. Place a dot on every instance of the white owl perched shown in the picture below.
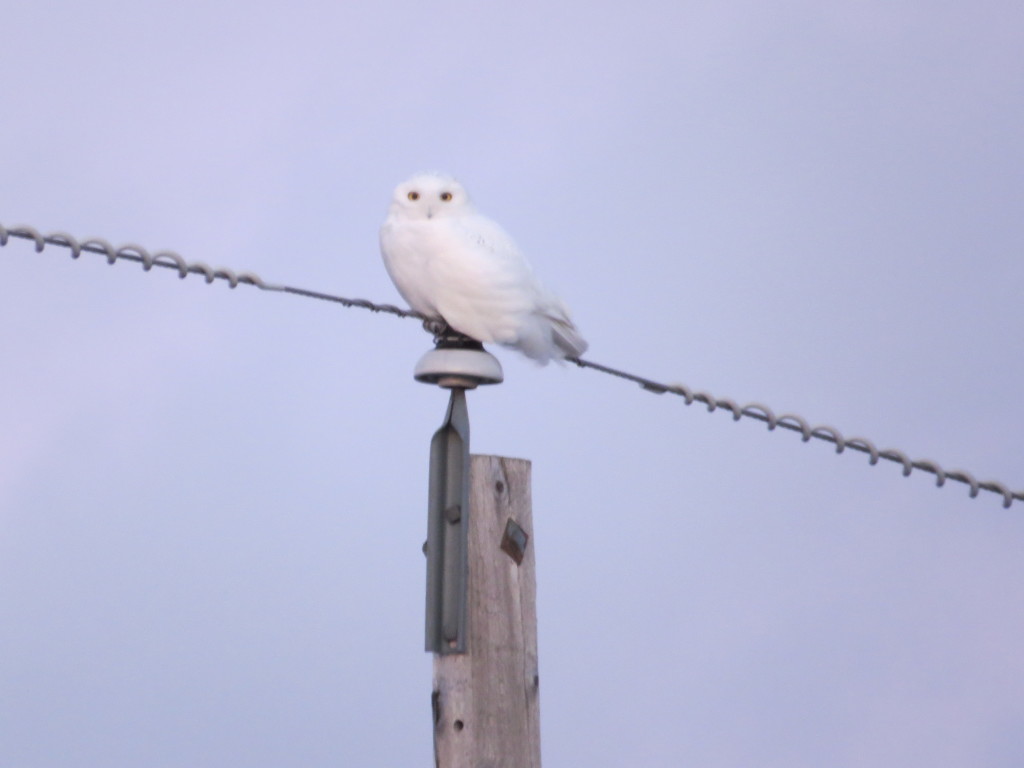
(451, 262)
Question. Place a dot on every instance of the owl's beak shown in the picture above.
(430, 213)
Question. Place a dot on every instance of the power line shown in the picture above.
(172, 260)
(824, 432)
(757, 411)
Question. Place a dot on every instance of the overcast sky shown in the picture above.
(212, 501)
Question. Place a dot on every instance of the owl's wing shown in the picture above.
(491, 239)
(483, 285)
(510, 306)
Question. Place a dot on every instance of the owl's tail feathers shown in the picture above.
(567, 337)
(547, 336)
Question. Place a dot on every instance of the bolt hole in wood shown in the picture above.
(499, 487)
(458, 725)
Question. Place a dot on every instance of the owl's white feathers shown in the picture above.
(451, 262)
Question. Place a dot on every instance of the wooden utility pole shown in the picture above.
(486, 702)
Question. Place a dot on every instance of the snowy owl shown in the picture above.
(451, 262)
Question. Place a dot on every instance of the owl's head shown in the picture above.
(429, 196)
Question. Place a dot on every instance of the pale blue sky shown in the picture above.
(212, 502)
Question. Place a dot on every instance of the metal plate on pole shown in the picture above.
(447, 530)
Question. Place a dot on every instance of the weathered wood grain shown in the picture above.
(486, 702)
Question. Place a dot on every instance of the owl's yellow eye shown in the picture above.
(413, 195)
(446, 196)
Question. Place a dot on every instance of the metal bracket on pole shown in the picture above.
(448, 530)
(457, 363)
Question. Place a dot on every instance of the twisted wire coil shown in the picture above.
(756, 411)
